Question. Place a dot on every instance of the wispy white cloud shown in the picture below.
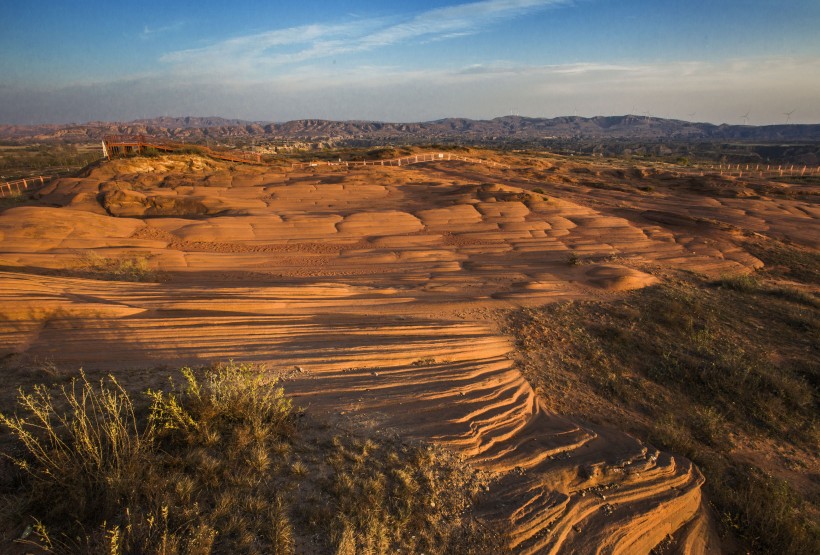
(454, 20)
(261, 52)
(505, 67)
(148, 32)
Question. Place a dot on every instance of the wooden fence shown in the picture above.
(11, 188)
(403, 161)
(762, 170)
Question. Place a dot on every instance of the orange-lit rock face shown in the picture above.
(378, 283)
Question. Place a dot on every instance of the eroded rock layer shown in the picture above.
(371, 291)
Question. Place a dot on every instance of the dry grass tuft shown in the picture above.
(401, 498)
(424, 361)
(134, 268)
(96, 445)
(103, 476)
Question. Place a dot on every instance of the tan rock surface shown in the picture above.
(379, 283)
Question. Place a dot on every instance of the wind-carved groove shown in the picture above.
(560, 486)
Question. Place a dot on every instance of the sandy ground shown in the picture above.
(373, 291)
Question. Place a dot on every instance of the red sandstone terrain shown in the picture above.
(383, 286)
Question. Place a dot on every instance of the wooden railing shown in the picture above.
(762, 170)
(403, 161)
(11, 188)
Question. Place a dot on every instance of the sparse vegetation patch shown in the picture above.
(135, 268)
(12, 200)
(707, 370)
(223, 464)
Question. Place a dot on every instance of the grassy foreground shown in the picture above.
(726, 373)
(224, 464)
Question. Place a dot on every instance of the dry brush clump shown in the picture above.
(81, 459)
(129, 268)
(99, 475)
(391, 497)
(222, 464)
(697, 367)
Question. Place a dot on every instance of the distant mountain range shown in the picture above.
(503, 129)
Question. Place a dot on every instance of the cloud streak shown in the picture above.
(149, 32)
(258, 53)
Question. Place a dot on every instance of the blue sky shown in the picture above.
(720, 60)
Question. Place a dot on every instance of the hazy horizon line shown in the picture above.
(385, 121)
